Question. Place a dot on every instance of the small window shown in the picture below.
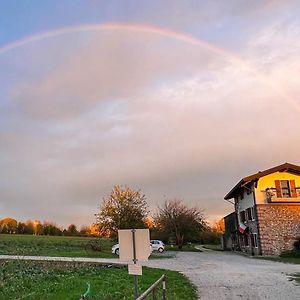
(246, 240)
(249, 214)
(242, 216)
(253, 238)
(285, 187)
(253, 213)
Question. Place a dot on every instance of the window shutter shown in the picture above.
(278, 189)
(293, 188)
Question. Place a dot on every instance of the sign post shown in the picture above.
(136, 282)
(134, 248)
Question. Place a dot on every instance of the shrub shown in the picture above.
(297, 245)
(94, 245)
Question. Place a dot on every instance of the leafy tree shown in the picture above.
(21, 228)
(123, 208)
(72, 230)
(29, 229)
(8, 225)
(181, 221)
(51, 229)
(84, 230)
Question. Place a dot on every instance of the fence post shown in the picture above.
(164, 291)
(154, 294)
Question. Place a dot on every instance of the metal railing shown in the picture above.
(286, 193)
(152, 290)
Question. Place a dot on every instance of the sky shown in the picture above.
(180, 99)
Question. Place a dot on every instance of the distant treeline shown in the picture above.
(12, 226)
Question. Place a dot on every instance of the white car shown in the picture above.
(158, 245)
(115, 249)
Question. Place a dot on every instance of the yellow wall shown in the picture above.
(269, 182)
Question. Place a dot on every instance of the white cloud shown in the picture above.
(151, 112)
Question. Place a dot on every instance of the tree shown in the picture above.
(72, 230)
(123, 208)
(84, 231)
(8, 225)
(176, 218)
(219, 226)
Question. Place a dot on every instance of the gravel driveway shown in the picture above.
(220, 275)
(226, 275)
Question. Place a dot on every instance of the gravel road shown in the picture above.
(220, 275)
(226, 275)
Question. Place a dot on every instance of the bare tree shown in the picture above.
(175, 217)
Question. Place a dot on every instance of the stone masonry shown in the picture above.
(279, 226)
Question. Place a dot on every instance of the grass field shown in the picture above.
(290, 260)
(60, 281)
(14, 244)
(215, 247)
(185, 248)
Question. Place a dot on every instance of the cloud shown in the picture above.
(170, 118)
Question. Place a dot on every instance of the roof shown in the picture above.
(286, 167)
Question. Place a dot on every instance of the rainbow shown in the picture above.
(114, 27)
(230, 56)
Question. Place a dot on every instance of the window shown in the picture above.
(253, 237)
(242, 216)
(250, 213)
(286, 189)
(246, 240)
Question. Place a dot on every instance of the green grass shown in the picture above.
(215, 247)
(295, 277)
(33, 280)
(54, 246)
(186, 248)
(290, 260)
(291, 256)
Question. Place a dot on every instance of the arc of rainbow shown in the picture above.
(148, 29)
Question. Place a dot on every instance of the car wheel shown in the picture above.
(160, 250)
(117, 251)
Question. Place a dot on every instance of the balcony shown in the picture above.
(282, 195)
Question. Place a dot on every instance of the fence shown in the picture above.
(153, 289)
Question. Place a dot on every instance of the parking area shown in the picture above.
(226, 275)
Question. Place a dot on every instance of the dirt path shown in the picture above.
(225, 275)
(220, 275)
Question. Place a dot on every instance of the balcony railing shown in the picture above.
(282, 194)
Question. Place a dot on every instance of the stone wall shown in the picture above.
(279, 226)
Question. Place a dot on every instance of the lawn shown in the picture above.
(188, 248)
(291, 256)
(33, 280)
(297, 277)
(14, 244)
(215, 247)
(290, 260)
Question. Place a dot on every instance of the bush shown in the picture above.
(297, 245)
(94, 245)
(291, 253)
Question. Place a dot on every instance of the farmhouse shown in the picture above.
(266, 217)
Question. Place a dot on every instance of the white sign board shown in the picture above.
(134, 269)
(142, 244)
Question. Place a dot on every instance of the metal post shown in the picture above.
(164, 291)
(136, 283)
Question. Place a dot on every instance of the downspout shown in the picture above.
(258, 229)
